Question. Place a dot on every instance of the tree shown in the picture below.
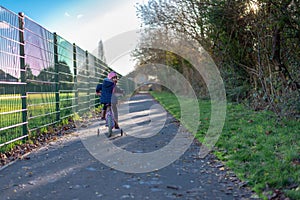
(101, 54)
(255, 44)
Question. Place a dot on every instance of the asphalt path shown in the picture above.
(84, 165)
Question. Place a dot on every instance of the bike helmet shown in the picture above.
(111, 75)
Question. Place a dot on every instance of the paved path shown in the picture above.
(66, 170)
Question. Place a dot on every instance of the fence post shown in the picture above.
(57, 85)
(75, 76)
(23, 74)
(88, 75)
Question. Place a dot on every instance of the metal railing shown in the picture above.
(43, 77)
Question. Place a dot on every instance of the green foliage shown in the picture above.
(65, 121)
(294, 194)
(76, 116)
(43, 130)
(255, 44)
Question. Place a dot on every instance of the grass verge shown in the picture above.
(260, 149)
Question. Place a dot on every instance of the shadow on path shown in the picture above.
(66, 170)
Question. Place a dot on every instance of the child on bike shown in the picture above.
(107, 96)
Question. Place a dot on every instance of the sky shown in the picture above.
(83, 22)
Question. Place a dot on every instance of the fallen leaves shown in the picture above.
(20, 151)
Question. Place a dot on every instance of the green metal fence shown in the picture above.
(43, 77)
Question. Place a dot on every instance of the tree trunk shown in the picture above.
(279, 65)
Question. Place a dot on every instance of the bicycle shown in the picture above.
(110, 121)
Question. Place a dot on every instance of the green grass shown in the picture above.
(41, 112)
(260, 149)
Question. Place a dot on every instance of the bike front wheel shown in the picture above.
(110, 124)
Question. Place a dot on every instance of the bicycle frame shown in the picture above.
(110, 121)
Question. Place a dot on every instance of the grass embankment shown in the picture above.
(260, 149)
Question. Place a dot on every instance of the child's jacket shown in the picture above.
(107, 90)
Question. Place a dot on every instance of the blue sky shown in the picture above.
(83, 22)
(44, 12)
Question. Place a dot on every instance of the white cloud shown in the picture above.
(79, 16)
(87, 32)
(121, 19)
